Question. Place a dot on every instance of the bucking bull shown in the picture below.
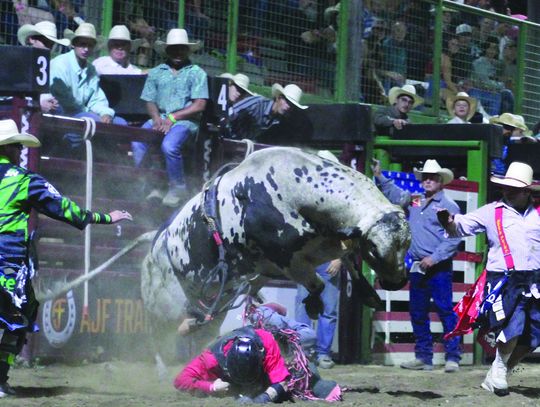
(281, 212)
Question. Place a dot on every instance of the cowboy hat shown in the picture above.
(44, 28)
(9, 134)
(509, 119)
(291, 92)
(240, 80)
(176, 36)
(330, 11)
(408, 90)
(463, 29)
(85, 30)
(121, 33)
(518, 175)
(451, 101)
(433, 167)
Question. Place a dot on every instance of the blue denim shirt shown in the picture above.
(428, 236)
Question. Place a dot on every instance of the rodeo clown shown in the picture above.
(512, 306)
(247, 363)
(20, 191)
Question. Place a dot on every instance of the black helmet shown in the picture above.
(244, 361)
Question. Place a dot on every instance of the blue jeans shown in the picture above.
(422, 289)
(327, 320)
(171, 146)
(76, 140)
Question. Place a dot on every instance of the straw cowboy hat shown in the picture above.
(121, 33)
(509, 119)
(176, 36)
(451, 101)
(85, 30)
(240, 80)
(518, 175)
(291, 92)
(433, 167)
(44, 28)
(408, 90)
(9, 134)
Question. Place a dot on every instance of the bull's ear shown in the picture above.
(349, 233)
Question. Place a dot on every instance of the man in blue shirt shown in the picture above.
(431, 273)
(176, 93)
(75, 83)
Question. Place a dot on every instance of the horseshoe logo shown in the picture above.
(52, 320)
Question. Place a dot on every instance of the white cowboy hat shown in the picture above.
(452, 99)
(433, 167)
(328, 12)
(176, 36)
(408, 90)
(44, 28)
(121, 33)
(85, 30)
(240, 80)
(9, 134)
(291, 92)
(463, 29)
(518, 175)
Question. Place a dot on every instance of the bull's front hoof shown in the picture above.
(314, 306)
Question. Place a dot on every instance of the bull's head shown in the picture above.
(384, 246)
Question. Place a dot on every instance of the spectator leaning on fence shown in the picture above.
(461, 107)
(514, 313)
(117, 62)
(176, 93)
(75, 83)
(20, 192)
(42, 35)
(255, 114)
(238, 87)
(394, 117)
(514, 130)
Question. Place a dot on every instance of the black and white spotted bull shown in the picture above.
(281, 212)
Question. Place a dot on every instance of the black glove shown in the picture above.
(262, 398)
(245, 400)
(443, 216)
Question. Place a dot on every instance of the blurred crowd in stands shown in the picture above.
(296, 40)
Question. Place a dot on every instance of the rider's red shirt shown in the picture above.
(200, 373)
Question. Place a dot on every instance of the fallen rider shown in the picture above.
(247, 364)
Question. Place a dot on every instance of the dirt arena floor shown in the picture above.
(136, 384)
